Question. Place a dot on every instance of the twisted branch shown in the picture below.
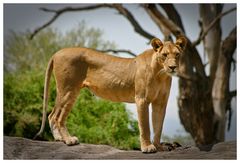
(203, 33)
(170, 25)
(173, 15)
(59, 12)
(229, 108)
(165, 31)
(123, 11)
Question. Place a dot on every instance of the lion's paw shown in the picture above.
(71, 140)
(57, 136)
(149, 149)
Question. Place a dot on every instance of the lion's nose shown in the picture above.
(172, 67)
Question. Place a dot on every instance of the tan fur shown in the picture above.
(142, 80)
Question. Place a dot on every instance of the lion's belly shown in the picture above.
(116, 96)
(111, 92)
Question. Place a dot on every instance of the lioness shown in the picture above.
(142, 80)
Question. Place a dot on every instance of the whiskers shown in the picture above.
(170, 73)
(161, 72)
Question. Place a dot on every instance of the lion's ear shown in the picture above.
(156, 44)
(181, 42)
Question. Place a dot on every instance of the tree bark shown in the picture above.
(166, 32)
(203, 104)
(212, 40)
(173, 15)
(196, 110)
(220, 91)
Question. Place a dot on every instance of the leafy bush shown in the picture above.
(98, 121)
(92, 120)
(23, 104)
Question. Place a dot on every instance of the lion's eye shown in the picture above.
(164, 54)
(177, 54)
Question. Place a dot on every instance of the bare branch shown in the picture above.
(233, 94)
(229, 44)
(233, 61)
(229, 108)
(47, 10)
(57, 13)
(123, 11)
(119, 51)
(43, 26)
(166, 32)
(173, 14)
(166, 22)
(205, 32)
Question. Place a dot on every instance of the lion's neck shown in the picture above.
(156, 66)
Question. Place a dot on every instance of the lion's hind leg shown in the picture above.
(58, 117)
(52, 119)
(69, 100)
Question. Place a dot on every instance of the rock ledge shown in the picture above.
(21, 148)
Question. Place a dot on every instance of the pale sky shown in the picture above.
(22, 17)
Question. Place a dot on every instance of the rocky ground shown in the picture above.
(21, 148)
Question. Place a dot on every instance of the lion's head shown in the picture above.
(168, 53)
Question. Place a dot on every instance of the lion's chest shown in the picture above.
(162, 87)
(153, 87)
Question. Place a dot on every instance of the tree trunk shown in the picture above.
(196, 109)
(212, 40)
(220, 91)
(203, 100)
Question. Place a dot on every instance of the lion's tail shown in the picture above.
(45, 96)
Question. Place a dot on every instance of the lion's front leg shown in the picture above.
(158, 114)
(143, 123)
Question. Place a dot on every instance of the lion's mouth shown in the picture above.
(172, 72)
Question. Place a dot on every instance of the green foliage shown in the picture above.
(92, 120)
(99, 121)
(23, 104)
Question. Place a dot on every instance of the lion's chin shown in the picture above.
(172, 73)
